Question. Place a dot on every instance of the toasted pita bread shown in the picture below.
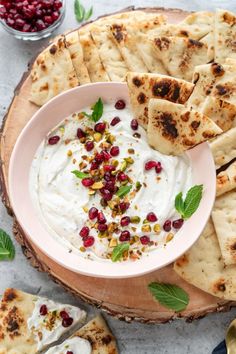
(172, 128)
(77, 57)
(21, 324)
(225, 87)
(109, 53)
(226, 180)
(203, 267)
(221, 112)
(225, 35)
(52, 73)
(180, 55)
(92, 59)
(223, 148)
(224, 219)
(209, 41)
(142, 87)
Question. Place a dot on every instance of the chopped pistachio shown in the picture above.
(135, 219)
(169, 237)
(97, 137)
(110, 138)
(102, 234)
(157, 228)
(123, 166)
(97, 185)
(82, 249)
(146, 228)
(62, 129)
(136, 238)
(131, 151)
(112, 227)
(91, 192)
(69, 153)
(129, 160)
(115, 163)
(113, 242)
(138, 186)
(145, 221)
(80, 115)
(85, 208)
(74, 161)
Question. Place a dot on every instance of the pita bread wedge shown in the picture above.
(209, 41)
(221, 112)
(52, 73)
(27, 328)
(223, 148)
(225, 87)
(203, 267)
(180, 55)
(172, 128)
(226, 180)
(142, 87)
(77, 57)
(95, 337)
(92, 59)
(224, 219)
(109, 53)
(225, 35)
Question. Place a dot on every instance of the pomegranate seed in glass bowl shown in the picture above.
(32, 22)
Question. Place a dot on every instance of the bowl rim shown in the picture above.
(75, 263)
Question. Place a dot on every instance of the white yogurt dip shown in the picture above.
(75, 345)
(63, 201)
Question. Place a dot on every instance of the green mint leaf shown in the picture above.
(80, 174)
(88, 13)
(97, 110)
(123, 190)
(79, 11)
(192, 200)
(170, 296)
(7, 249)
(179, 203)
(118, 251)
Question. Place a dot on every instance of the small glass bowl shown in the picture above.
(35, 36)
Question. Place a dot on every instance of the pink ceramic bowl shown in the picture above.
(35, 131)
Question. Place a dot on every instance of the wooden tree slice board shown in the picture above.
(127, 299)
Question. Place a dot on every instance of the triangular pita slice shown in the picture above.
(173, 129)
(225, 35)
(109, 53)
(95, 337)
(226, 180)
(92, 59)
(223, 148)
(203, 267)
(77, 57)
(142, 87)
(180, 55)
(205, 77)
(224, 219)
(52, 73)
(26, 329)
(225, 88)
(221, 112)
(209, 41)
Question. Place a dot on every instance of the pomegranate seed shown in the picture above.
(67, 322)
(108, 168)
(115, 121)
(108, 176)
(80, 133)
(100, 127)
(93, 213)
(89, 145)
(144, 240)
(124, 236)
(158, 167)
(40, 25)
(125, 221)
(26, 28)
(106, 155)
(99, 158)
(115, 151)
(48, 19)
(177, 224)
(64, 314)
(150, 164)
(110, 185)
(101, 218)
(84, 232)
(20, 23)
(53, 140)
(167, 225)
(94, 165)
(134, 124)
(43, 310)
(107, 195)
(88, 241)
(151, 217)
(102, 227)
(87, 182)
(124, 206)
(57, 5)
(122, 177)
(120, 104)
(55, 16)
(69, 352)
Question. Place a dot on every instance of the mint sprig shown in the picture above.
(187, 207)
(80, 13)
(7, 249)
(118, 251)
(169, 295)
(80, 174)
(123, 190)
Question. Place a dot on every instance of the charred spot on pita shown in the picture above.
(169, 125)
(221, 90)
(194, 43)
(233, 246)
(161, 88)
(176, 93)
(228, 18)
(53, 49)
(118, 32)
(195, 124)
(137, 82)
(162, 43)
(208, 134)
(107, 339)
(184, 33)
(141, 98)
(196, 78)
(9, 295)
(217, 69)
(185, 116)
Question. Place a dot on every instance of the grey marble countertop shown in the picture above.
(178, 337)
